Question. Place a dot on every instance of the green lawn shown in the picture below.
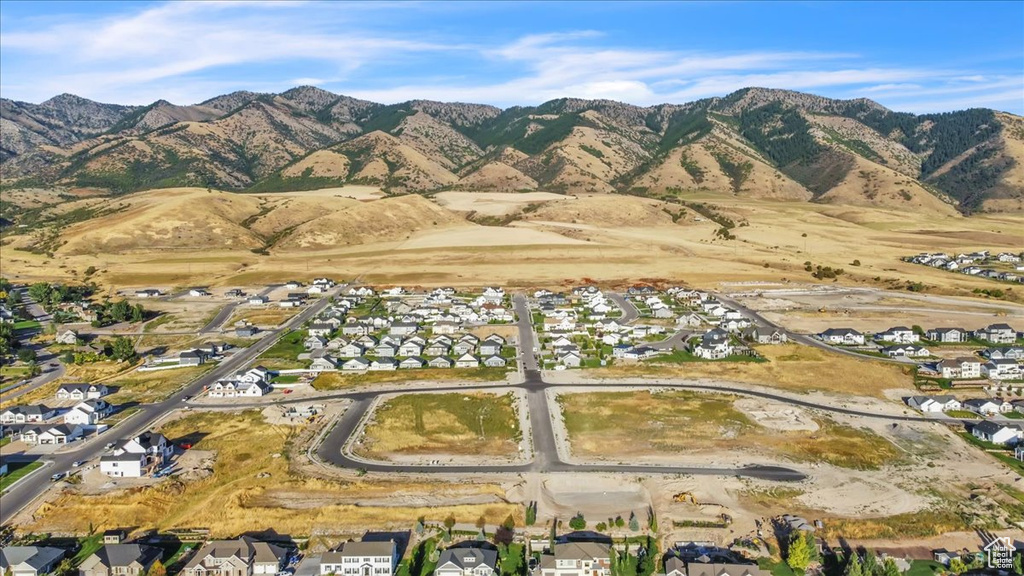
(26, 325)
(286, 379)
(683, 356)
(776, 568)
(289, 346)
(924, 568)
(513, 561)
(1014, 415)
(17, 471)
(961, 414)
(90, 545)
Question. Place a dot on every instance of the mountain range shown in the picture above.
(755, 142)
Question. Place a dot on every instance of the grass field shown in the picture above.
(614, 424)
(788, 367)
(253, 487)
(16, 471)
(483, 424)
(284, 354)
(342, 380)
(923, 523)
(153, 386)
(262, 316)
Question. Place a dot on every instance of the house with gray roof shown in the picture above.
(243, 557)
(29, 560)
(472, 561)
(119, 560)
(577, 559)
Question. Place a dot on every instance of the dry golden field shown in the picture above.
(613, 239)
(252, 488)
(682, 422)
(466, 424)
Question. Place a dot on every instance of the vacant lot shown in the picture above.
(342, 380)
(252, 488)
(147, 387)
(284, 353)
(789, 367)
(465, 424)
(266, 317)
(635, 424)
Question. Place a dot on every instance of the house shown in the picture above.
(944, 557)
(358, 363)
(1010, 352)
(906, 351)
(898, 335)
(765, 335)
(234, 293)
(88, 413)
(120, 560)
(950, 335)
(26, 414)
(403, 328)
(258, 299)
(495, 362)
(490, 348)
(702, 569)
(1006, 369)
(412, 363)
(690, 320)
(467, 562)
(351, 350)
(361, 559)
(934, 403)
(192, 357)
(68, 337)
(323, 363)
(983, 406)
(441, 362)
(29, 560)
(997, 334)
(314, 343)
(843, 336)
(577, 559)
(131, 457)
(713, 345)
(446, 327)
(570, 358)
(242, 557)
(197, 292)
(147, 293)
(436, 349)
(463, 347)
(997, 433)
(246, 331)
(114, 536)
(384, 364)
(963, 367)
(320, 329)
(60, 434)
(293, 284)
(467, 361)
(82, 391)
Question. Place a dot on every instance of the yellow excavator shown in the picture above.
(685, 497)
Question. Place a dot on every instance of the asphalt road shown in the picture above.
(44, 358)
(24, 492)
(629, 311)
(217, 324)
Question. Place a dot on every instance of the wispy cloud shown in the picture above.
(189, 51)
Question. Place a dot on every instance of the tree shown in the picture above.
(798, 554)
(853, 567)
(123, 350)
(619, 522)
(601, 527)
(531, 513)
(26, 355)
(138, 313)
(509, 523)
(120, 311)
(481, 522)
(1017, 563)
(578, 522)
(449, 522)
(634, 524)
(870, 566)
(40, 292)
(65, 568)
(157, 569)
(34, 369)
(957, 566)
(889, 568)
(652, 519)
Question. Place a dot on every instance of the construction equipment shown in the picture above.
(685, 497)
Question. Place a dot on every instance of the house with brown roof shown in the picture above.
(242, 557)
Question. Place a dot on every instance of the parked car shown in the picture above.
(78, 463)
(56, 477)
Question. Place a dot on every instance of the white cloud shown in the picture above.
(189, 51)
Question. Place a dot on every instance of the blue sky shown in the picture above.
(912, 56)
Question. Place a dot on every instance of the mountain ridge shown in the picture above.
(759, 142)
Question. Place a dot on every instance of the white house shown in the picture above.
(361, 559)
(844, 336)
(997, 433)
(131, 457)
(88, 413)
(475, 561)
(898, 335)
(934, 404)
(959, 368)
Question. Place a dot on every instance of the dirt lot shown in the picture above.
(492, 203)
(871, 310)
(252, 487)
(267, 316)
(790, 367)
(481, 426)
(669, 423)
